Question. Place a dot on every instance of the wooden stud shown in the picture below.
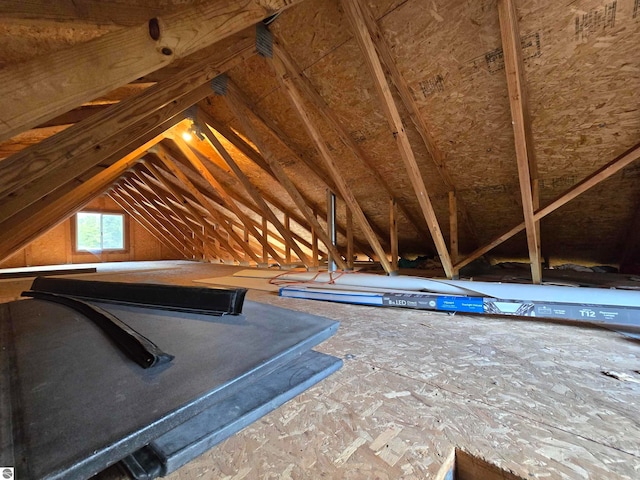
(265, 253)
(592, 180)
(297, 101)
(287, 225)
(393, 232)
(314, 243)
(66, 79)
(514, 69)
(256, 196)
(235, 106)
(363, 36)
(162, 154)
(222, 193)
(453, 226)
(350, 250)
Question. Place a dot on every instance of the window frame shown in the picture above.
(125, 233)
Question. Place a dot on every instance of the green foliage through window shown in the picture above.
(99, 231)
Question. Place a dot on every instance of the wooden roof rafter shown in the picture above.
(168, 162)
(21, 229)
(222, 192)
(94, 12)
(217, 203)
(353, 9)
(514, 68)
(174, 215)
(134, 52)
(57, 159)
(331, 118)
(154, 215)
(68, 177)
(418, 120)
(259, 159)
(179, 197)
(257, 197)
(238, 108)
(277, 134)
(329, 162)
(114, 195)
(196, 227)
(143, 218)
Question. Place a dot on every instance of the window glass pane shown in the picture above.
(88, 231)
(112, 232)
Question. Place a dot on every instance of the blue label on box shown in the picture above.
(461, 304)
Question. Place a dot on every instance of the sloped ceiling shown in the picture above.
(580, 70)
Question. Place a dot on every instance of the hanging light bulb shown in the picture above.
(187, 136)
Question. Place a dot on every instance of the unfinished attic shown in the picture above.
(473, 161)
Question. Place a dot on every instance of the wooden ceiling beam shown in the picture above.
(222, 193)
(238, 108)
(256, 196)
(578, 189)
(334, 122)
(354, 12)
(70, 77)
(168, 162)
(51, 163)
(514, 68)
(296, 100)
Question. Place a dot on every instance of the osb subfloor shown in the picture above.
(528, 396)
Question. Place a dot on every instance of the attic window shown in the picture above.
(100, 231)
